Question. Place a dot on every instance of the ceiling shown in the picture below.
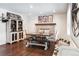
(35, 8)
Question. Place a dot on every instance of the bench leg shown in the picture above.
(46, 47)
(27, 45)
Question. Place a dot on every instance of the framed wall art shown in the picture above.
(45, 19)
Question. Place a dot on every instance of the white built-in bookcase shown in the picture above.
(14, 28)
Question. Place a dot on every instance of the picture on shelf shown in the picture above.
(50, 18)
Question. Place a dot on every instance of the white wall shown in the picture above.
(2, 33)
(61, 24)
(29, 23)
(60, 20)
(2, 28)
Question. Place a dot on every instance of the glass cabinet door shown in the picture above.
(20, 26)
(12, 37)
(13, 26)
(15, 36)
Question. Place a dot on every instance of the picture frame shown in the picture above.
(45, 19)
(50, 18)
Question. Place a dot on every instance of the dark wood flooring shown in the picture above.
(19, 49)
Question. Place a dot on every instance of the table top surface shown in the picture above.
(37, 34)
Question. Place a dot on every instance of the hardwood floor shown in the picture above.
(19, 49)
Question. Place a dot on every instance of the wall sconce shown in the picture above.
(3, 19)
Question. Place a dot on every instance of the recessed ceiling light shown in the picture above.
(40, 12)
(31, 6)
(54, 10)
